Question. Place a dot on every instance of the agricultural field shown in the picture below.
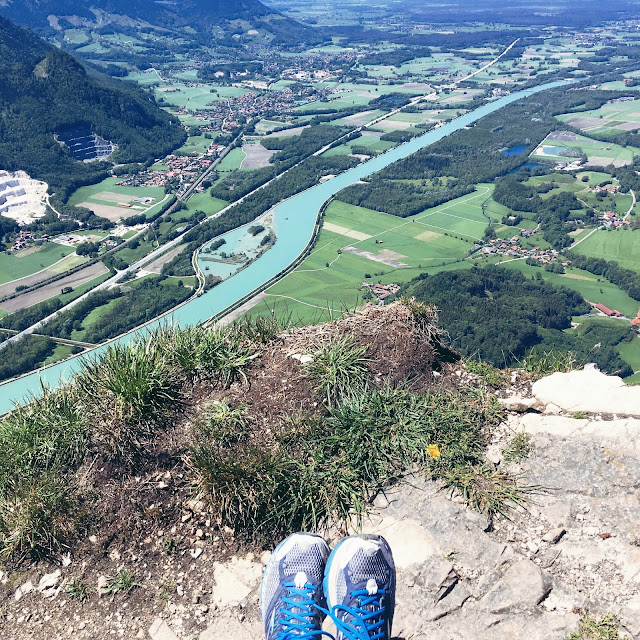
(369, 139)
(232, 161)
(196, 97)
(201, 202)
(388, 249)
(611, 118)
(29, 261)
(103, 199)
(591, 287)
(621, 245)
(566, 146)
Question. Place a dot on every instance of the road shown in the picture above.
(486, 66)
(71, 343)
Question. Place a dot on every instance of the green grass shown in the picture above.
(326, 471)
(26, 262)
(518, 448)
(87, 194)
(201, 202)
(315, 292)
(623, 246)
(630, 353)
(592, 628)
(61, 352)
(592, 148)
(338, 370)
(197, 145)
(122, 582)
(232, 160)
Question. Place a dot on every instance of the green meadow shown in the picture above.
(28, 261)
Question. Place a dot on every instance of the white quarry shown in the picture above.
(21, 197)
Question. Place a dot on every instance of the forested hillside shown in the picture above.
(44, 90)
(499, 315)
(200, 15)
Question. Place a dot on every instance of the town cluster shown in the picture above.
(381, 291)
(180, 171)
(225, 115)
(512, 247)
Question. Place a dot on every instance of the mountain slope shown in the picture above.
(200, 15)
(44, 91)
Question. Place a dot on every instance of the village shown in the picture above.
(177, 171)
(511, 247)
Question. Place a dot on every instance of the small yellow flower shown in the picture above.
(433, 450)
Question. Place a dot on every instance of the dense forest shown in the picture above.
(402, 198)
(499, 315)
(44, 90)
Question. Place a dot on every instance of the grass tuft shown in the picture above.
(540, 364)
(224, 355)
(122, 582)
(129, 393)
(492, 376)
(79, 590)
(518, 449)
(605, 628)
(339, 370)
(36, 516)
(325, 471)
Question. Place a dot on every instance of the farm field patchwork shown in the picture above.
(433, 240)
(103, 199)
(29, 261)
(614, 117)
(566, 146)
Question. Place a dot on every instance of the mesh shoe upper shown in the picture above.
(291, 592)
(360, 585)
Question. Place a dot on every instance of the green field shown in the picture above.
(89, 193)
(436, 239)
(232, 160)
(195, 98)
(28, 261)
(621, 245)
(593, 288)
(195, 145)
(599, 153)
(615, 117)
(201, 202)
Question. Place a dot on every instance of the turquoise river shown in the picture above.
(294, 222)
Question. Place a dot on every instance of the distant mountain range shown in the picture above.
(45, 92)
(199, 15)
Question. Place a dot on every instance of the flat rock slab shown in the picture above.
(625, 430)
(590, 391)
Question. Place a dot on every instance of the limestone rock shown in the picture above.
(519, 403)
(523, 586)
(48, 582)
(553, 535)
(21, 591)
(588, 390)
(230, 626)
(160, 630)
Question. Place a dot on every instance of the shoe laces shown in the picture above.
(299, 615)
(366, 620)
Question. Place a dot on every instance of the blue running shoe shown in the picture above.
(291, 594)
(360, 588)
